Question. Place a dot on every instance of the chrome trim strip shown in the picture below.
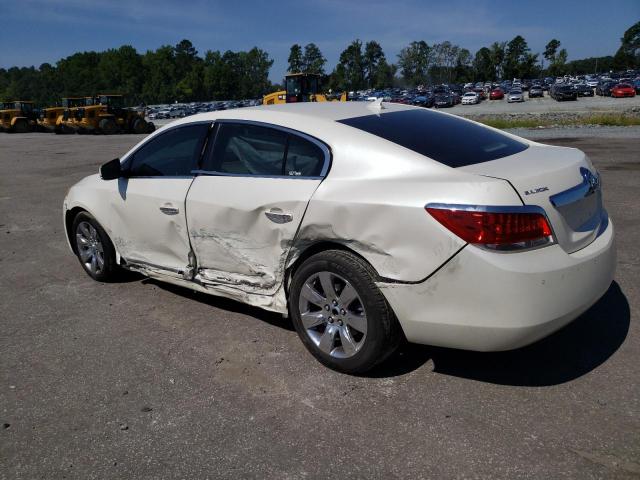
(489, 208)
(211, 173)
(590, 184)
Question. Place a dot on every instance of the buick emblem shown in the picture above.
(593, 181)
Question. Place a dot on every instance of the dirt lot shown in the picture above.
(139, 379)
(547, 104)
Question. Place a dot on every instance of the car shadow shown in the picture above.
(272, 318)
(573, 351)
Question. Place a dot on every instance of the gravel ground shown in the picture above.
(142, 380)
(547, 104)
(586, 131)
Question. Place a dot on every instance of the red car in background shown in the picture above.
(623, 90)
(496, 94)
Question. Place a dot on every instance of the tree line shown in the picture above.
(168, 74)
(178, 73)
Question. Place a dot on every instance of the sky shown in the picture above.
(33, 32)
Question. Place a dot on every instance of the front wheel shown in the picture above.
(340, 314)
(93, 248)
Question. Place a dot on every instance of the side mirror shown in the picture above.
(111, 170)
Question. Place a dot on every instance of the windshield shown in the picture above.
(112, 100)
(437, 136)
(72, 102)
(293, 86)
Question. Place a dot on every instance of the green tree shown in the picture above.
(628, 55)
(296, 59)
(349, 73)
(551, 49)
(414, 62)
(373, 56)
(483, 64)
(498, 54)
(160, 75)
(313, 61)
(121, 71)
(519, 61)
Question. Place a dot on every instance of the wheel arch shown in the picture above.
(69, 217)
(318, 247)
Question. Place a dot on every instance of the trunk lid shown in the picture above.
(562, 181)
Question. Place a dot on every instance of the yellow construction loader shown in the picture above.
(53, 119)
(18, 116)
(301, 87)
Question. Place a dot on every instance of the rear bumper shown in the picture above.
(488, 301)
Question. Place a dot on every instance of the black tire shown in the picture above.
(151, 127)
(139, 126)
(110, 268)
(383, 333)
(21, 126)
(108, 126)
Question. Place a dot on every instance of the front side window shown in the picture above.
(173, 153)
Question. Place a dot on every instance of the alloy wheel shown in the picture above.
(333, 314)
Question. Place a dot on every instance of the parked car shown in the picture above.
(282, 208)
(536, 91)
(563, 91)
(496, 94)
(444, 100)
(623, 90)
(470, 98)
(604, 88)
(636, 85)
(515, 95)
(583, 90)
(427, 100)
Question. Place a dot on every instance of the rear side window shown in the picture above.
(173, 153)
(246, 149)
(446, 139)
(304, 158)
(249, 150)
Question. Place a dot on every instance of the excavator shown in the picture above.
(300, 87)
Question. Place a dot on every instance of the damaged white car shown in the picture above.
(365, 222)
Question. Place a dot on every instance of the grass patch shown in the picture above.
(608, 119)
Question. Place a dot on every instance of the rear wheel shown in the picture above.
(139, 126)
(93, 248)
(108, 126)
(340, 314)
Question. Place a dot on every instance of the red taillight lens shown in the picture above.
(495, 229)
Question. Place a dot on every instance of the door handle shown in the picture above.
(169, 210)
(278, 216)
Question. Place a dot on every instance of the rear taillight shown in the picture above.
(496, 228)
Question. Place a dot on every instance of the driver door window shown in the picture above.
(174, 153)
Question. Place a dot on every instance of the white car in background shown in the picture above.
(470, 98)
(515, 95)
(365, 222)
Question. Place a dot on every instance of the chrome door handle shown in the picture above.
(169, 210)
(278, 216)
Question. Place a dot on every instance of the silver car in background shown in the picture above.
(515, 95)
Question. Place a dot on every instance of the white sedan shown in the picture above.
(470, 98)
(365, 222)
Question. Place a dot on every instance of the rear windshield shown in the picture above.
(446, 139)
